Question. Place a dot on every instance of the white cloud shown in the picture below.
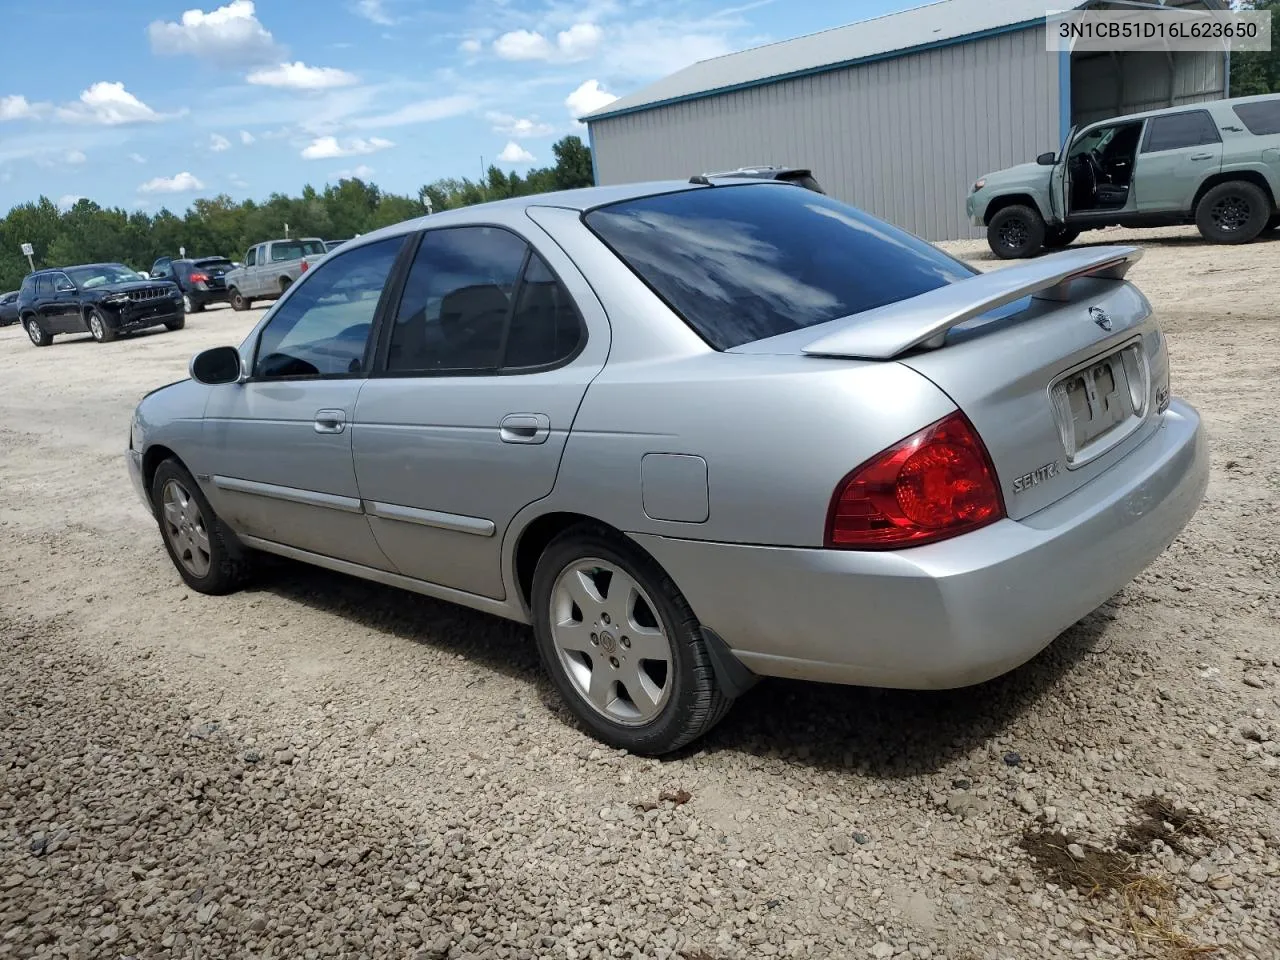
(658, 48)
(238, 181)
(68, 200)
(178, 183)
(470, 45)
(577, 43)
(423, 111)
(373, 11)
(137, 158)
(75, 157)
(109, 104)
(521, 127)
(588, 97)
(362, 172)
(326, 148)
(16, 107)
(299, 76)
(218, 143)
(514, 153)
(246, 137)
(229, 35)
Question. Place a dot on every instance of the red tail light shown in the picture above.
(935, 484)
(305, 267)
(199, 278)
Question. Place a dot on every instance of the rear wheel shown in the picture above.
(621, 644)
(189, 305)
(99, 328)
(239, 301)
(1056, 238)
(208, 556)
(1233, 212)
(37, 333)
(285, 283)
(1015, 232)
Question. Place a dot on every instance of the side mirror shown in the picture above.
(156, 274)
(61, 287)
(1047, 159)
(216, 365)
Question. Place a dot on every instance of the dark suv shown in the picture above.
(199, 278)
(103, 299)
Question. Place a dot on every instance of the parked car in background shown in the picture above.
(1215, 164)
(202, 280)
(827, 450)
(331, 245)
(101, 299)
(270, 268)
(8, 308)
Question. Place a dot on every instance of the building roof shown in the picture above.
(935, 24)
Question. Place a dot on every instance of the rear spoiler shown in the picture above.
(923, 321)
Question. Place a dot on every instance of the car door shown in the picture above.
(280, 442)
(476, 386)
(63, 306)
(1179, 150)
(1059, 179)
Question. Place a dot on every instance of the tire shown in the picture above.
(191, 306)
(1056, 238)
(39, 336)
(684, 697)
(98, 327)
(177, 324)
(285, 284)
(1016, 232)
(205, 552)
(1233, 212)
(1272, 225)
(239, 302)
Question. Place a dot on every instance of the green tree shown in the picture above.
(573, 164)
(1258, 71)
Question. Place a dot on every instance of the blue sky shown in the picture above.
(151, 103)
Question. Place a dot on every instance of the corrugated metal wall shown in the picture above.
(901, 138)
(1106, 85)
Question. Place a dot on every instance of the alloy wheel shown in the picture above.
(611, 642)
(1013, 234)
(95, 326)
(1231, 213)
(33, 331)
(185, 528)
(186, 303)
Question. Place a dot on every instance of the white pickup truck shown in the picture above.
(270, 267)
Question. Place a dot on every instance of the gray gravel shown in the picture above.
(323, 767)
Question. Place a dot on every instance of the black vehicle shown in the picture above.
(8, 308)
(199, 278)
(102, 299)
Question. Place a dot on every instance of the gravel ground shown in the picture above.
(319, 766)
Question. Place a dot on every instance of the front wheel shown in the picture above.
(99, 328)
(1233, 212)
(1016, 232)
(37, 333)
(1056, 238)
(208, 556)
(239, 301)
(177, 323)
(621, 644)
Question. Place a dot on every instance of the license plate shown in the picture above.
(1092, 401)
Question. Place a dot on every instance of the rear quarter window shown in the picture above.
(746, 262)
(1262, 119)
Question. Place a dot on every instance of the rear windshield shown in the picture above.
(213, 262)
(296, 249)
(745, 262)
(1262, 118)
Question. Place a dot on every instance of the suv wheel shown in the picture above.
(99, 328)
(1015, 232)
(37, 333)
(208, 556)
(1056, 238)
(621, 645)
(239, 301)
(188, 306)
(1233, 212)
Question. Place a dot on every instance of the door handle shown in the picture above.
(525, 428)
(331, 421)
(1202, 156)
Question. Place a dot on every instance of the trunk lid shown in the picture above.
(1059, 365)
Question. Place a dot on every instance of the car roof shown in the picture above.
(1183, 108)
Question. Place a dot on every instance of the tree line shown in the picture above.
(90, 233)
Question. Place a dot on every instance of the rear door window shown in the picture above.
(746, 262)
(1178, 130)
(1262, 118)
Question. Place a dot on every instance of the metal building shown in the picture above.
(899, 114)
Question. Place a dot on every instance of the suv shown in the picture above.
(270, 268)
(1215, 164)
(102, 299)
(201, 280)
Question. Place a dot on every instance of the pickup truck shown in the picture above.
(269, 268)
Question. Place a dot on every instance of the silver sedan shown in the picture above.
(694, 434)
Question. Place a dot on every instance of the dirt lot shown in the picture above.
(321, 767)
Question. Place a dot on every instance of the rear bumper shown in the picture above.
(954, 613)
